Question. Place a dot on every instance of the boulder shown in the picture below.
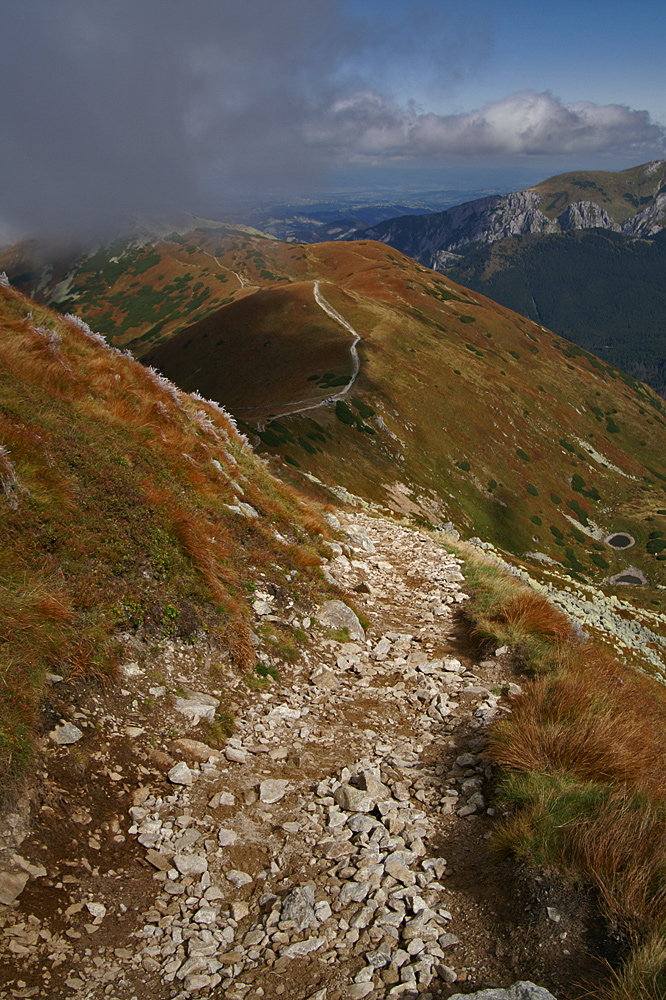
(336, 615)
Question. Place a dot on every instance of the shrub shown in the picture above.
(364, 409)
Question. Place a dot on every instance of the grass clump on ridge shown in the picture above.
(583, 768)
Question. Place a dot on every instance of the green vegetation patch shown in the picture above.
(578, 484)
(364, 409)
(581, 514)
(345, 416)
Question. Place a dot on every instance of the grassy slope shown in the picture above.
(465, 390)
(582, 760)
(482, 417)
(621, 193)
(113, 515)
(602, 290)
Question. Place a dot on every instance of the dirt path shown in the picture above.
(356, 364)
(335, 848)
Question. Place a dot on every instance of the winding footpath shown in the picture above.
(356, 365)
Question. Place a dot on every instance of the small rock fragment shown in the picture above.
(12, 885)
(65, 734)
(180, 774)
(272, 790)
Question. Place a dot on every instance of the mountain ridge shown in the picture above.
(548, 207)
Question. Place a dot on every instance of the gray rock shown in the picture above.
(239, 879)
(190, 864)
(194, 709)
(301, 948)
(367, 782)
(362, 824)
(272, 790)
(12, 885)
(354, 799)
(65, 734)
(453, 666)
(226, 838)
(383, 647)
(357, 991)
(336, 615)
(360, 539)
(298, 907)
(448, 528)
(324, 678)
(180, 774)
(519, 991)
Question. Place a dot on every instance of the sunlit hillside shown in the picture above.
(461, 409)
(127, 507)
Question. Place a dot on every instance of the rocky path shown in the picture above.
(334, 849)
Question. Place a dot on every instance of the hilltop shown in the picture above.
(581, 253)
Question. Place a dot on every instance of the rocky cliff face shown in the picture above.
(430, 239)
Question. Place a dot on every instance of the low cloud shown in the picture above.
(523, 124)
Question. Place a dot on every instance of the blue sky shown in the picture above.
(115, 107)
(582, 51)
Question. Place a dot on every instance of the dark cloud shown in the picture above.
(113, 107)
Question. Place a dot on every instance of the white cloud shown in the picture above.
(367, 126)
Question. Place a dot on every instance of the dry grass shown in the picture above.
(114, 489)
(642, 977)
(583, 759)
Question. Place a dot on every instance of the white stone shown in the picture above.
(66, 734)
(272, 790)
(180, 774)
(190, 864)
(238, 878)
(336, 615)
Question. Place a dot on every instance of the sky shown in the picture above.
(117, 107)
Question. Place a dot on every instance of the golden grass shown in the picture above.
(113, 494)
(583, 759)
(642, 975)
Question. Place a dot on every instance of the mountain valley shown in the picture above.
(231, 640)
(580, 253)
